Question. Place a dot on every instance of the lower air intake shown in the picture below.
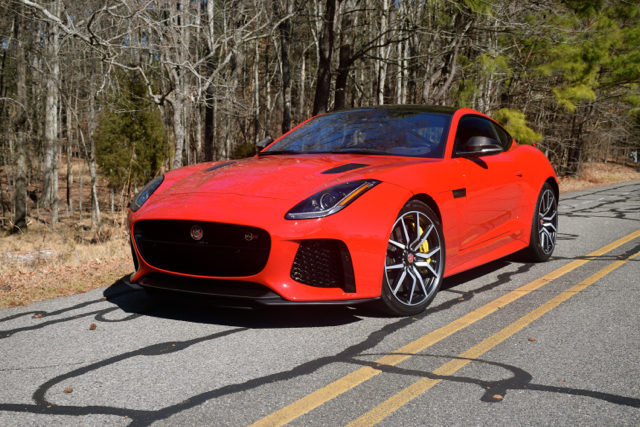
(324, 263)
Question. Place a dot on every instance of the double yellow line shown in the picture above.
(323, 395)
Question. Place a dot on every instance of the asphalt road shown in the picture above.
(509, 343)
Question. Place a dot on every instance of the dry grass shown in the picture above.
(46, 263)
(600, 174)
(71, 259)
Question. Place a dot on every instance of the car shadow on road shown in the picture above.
(187, 310)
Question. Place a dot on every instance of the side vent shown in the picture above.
(324, 263)
(345, 168)
(221, 165)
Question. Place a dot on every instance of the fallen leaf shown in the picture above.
(104, 298)
(414, 319)
(561, 381)
(37, 316)
(532, 339)
(93, 327)
(460, 299)
(68, 390)
(497, 397)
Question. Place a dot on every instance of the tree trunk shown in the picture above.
(69, 164)
(21, 123)
(285, 38)
(95, 206)
(301, 113)
(178, 128)
(256, 94)
(209, 119)
(341, 80)
(52, 48)
(323, 83)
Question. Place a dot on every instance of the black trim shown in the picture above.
(345, 168)
(136, 263)
(462, 192)
(212, 287)
(280, 302)
(215, 297)
(221, 165)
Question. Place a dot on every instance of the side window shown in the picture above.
(505, 138)
(471, 126)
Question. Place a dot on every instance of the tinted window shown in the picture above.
(375, 131)
(471, 126)
(505, 138)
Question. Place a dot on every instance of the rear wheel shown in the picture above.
(544, 227)
(414, 263)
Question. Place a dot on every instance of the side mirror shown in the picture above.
(480, 146)
(263, 144)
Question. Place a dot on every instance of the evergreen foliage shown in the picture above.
(132, 143)
(515, 122)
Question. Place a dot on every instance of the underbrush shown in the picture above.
(51, 261)
(599, 174)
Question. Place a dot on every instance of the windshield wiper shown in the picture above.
(358, 151)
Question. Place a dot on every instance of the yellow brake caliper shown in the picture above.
(425, 246)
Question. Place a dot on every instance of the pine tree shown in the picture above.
(132, 143)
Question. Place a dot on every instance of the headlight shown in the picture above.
(140, 198)
(331, 200)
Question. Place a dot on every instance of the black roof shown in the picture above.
(420, 108)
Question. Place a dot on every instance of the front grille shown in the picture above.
(324, 263)
(224, 250)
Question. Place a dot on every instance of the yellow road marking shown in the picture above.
(381, 411)
(323, 395)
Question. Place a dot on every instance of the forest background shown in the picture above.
(123, 90)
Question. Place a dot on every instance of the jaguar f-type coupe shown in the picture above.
(375, 204)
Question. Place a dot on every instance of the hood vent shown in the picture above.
(345, 168)
(221, 165)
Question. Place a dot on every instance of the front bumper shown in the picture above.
(364, 228)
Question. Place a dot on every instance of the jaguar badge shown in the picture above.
(196, 232)
(249, 236)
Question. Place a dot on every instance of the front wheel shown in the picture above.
(414, 263)
(544, 226)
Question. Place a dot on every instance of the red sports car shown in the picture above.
(376, 203)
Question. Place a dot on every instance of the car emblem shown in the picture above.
(196, 232)
(410, 257)
(249, 236)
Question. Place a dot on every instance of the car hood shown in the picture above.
(280, 176)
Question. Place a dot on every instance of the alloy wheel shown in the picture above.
(414, 258)
(548, 220)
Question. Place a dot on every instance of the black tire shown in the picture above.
(411, 280)
(544, 226)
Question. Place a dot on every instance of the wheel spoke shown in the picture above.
(548, 224)
(423, 238)
(420, 280)
(429, 255)
(395, 267)
(400, 245)
(413, 287)
(550, 218)
(404, 227)
(417, 225)
(402, 276)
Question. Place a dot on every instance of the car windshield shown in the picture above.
(369, 131)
